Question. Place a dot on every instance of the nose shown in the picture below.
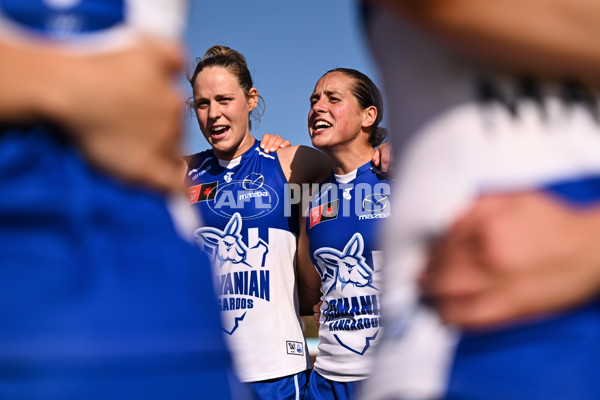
(214, 110)
(319, 106)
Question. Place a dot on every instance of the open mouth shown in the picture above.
(320, 126)
(219, 131)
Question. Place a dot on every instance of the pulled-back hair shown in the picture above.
(234, 62)
(367, 94)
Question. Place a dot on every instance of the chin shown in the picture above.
(319, 143)
(221, 147)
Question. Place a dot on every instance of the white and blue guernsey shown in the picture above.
(468, 132)
(252, 239)
(100, 296)
(343, 228)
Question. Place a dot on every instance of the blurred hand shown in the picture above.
(271, 143)
(382, 158)
(514, 256)
(125, 112)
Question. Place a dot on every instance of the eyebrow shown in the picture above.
(217, 96)
(327, 93)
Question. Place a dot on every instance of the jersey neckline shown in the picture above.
(349, 177)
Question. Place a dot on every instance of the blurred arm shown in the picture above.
(556, 38)
(122, 108)
(31, 83)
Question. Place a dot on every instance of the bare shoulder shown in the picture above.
(287, 154)
(304, 164)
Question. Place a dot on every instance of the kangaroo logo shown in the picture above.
(347, 267)
(227, 246)
(242, 275)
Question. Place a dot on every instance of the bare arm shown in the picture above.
(309, 281)
(302, 164)
(547, 37)
(122, 108)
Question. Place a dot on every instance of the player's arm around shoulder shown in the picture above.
(303, 164)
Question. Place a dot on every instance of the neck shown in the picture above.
(346, 160)
(245, 145)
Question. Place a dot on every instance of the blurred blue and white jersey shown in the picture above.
(344, 226)
(252, 240)
(461, 131)
(91, 25)
(100, 295)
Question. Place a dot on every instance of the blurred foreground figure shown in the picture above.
(493, 266)
(100, 296)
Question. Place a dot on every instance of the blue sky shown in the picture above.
(288, 46)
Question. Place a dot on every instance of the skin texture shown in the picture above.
(345, 137)
(514, 256)
(102, 100)
(271, 143)
(383, 158)
(561, 40)
(220, 102)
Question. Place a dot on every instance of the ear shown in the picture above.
(355, 246)
(328, 258)
(369, 116)
(234, 226)
(208, 237)
(252, 97)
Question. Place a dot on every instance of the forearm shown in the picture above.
(309, 285)
(309, 281)
(547, 37)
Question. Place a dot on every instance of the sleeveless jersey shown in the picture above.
(343, 225)
(470, 131)
(251, 237)
(100, 296)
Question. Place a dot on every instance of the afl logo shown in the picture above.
(375, 203)
(250, 197)
(253, 181)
